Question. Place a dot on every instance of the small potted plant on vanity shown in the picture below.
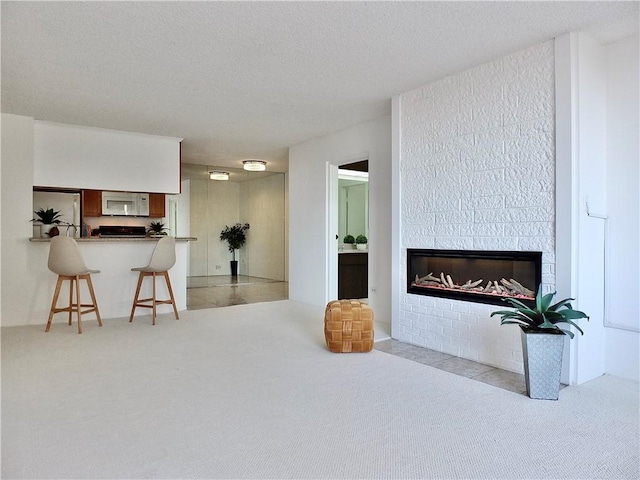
(156, 229)
(349, 241)
(361, 242)
(542, 340)
(236, 237)
(48, 219)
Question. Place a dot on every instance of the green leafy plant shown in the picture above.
(47, 217)
(157, 228)
(361, 239)
(544, 317)
(349, 239)
(235, 236)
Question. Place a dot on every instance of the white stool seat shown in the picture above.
(65, 259)
(162, 259)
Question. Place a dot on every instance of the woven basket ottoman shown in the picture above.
(348, 326)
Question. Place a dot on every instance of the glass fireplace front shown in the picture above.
(474, 275)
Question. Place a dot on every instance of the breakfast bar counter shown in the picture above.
(115, 285)
(117, 239)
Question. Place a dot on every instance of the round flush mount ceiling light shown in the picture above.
(217, 175)
(254, 165)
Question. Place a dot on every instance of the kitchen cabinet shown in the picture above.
(91, 203)
(156, 205)
(353, 273)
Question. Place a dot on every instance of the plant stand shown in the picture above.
(542, 354)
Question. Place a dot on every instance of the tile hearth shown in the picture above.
(497, 377)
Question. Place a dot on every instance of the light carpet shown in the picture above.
(251, 391)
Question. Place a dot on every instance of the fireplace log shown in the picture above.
(472, 285)
(450, 282)
(522, 289)
(502, 287)
(508, 285)
(431, 278)
(515, 288)
(427, 278)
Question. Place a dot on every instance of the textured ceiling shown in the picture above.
(248, 79)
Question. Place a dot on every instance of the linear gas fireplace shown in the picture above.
(474, 275)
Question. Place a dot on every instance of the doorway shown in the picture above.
(353, 230)
(254, 198)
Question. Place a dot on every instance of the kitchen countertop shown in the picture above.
(117, 239)
(353, 251)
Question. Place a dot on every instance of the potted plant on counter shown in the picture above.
(361, 242)
(156, 229)
(542, 340)
(236, 237)
(349, 240)
(48, 219)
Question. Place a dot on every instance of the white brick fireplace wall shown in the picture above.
(477, 173)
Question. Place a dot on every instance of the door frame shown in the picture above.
(333, 220)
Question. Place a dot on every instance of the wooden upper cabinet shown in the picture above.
(156, 205)
(91, 203)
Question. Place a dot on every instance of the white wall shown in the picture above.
(262, 207)
(477, 172)
(216, 204)
(591, 175)
(100, 159)
(597, 132)
(309, 203)
(17, 193)
(622, 351)
(471, 142)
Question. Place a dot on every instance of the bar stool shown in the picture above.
(66, 260)
(162, 259)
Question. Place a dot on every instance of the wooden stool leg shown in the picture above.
(78, 304)
(135, 300)
(93, 299)
(153, 300)
(173, 300)
(54, 302)
(70, 300)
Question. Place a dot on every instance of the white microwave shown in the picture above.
(125, 204)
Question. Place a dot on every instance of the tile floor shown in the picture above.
(511, 381)
(225, 290)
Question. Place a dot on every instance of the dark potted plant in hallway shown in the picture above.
(542, 340)
(48, 219)
(236, 237)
